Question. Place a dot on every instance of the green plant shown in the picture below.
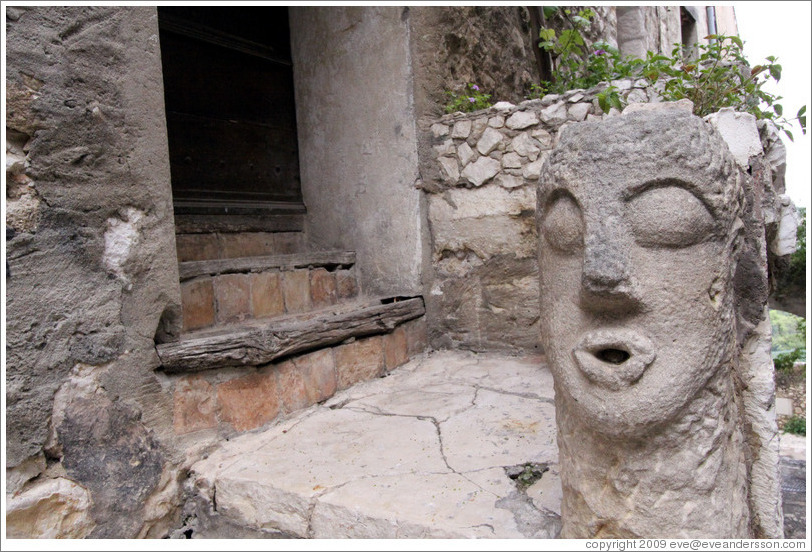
(785, 361)
(796, 425)
(471, 99)
(712, 75)
(720, 76)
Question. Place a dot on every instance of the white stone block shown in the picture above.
(555, 114)
(496, 122)
(490, 139)
(446, 148)
(502, 106)
(739, 131)
(512, 160)
(451, 171)
(439, 130)
(481, 170)
(522, 119)
(783, 406)
(524, 146)
(785, 239)
(578, 112)
(544, 138)
(461, 129)
(465, 153)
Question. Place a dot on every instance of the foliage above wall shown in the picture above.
(712, 75)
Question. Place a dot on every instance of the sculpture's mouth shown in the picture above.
(614, 358)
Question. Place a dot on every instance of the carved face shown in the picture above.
(637, 227)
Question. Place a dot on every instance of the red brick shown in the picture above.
(358, 361)
(197, 299)
(346, 286)
(194, 405)
(246, 244)
(266, 295)
(296, 290)
(197, 247)
(322, 288)
(291, 384)
(248, 402)
(395, 348)
(319, 374)
(233, 295)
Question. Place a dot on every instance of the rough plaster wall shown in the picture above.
(486, 45)
(92, 269)
(357, 145)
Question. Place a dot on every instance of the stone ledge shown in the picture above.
(260, 342)
(192, 269)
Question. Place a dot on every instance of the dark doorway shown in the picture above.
(228, 86)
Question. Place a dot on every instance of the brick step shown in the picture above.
(238, 378)
(228, 291)
(257, 342)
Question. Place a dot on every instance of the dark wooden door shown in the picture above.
(230, 111)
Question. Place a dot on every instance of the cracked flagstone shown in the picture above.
(420, 453)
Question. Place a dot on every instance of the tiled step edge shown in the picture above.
(192, 269)
(260, 342)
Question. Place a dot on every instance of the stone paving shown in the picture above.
(450, 445)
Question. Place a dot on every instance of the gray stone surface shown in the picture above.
(357, 140)
(93, 270)
(421, 453)
(640, 222)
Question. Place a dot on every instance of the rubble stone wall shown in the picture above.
(481, 206)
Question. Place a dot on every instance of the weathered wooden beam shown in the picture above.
(202, 223)
(191, 269)
(260, 342)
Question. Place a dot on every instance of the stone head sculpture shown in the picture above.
(639, 224)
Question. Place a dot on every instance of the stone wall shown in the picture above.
(481, 207)
(93, 274)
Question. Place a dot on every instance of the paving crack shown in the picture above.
(518, 394)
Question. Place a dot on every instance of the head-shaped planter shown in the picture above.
(639, 222)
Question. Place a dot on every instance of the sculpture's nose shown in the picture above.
(606, 279)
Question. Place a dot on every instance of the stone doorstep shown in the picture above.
(261, 341)
(425, 452)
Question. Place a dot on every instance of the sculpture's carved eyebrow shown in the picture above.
(636, 189)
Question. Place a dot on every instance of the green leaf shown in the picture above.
(775, 71)
(549, 11)
(779, 109)
(547, 34)
(737, 41)
(789, 135)
(802, 111)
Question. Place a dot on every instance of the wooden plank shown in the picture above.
(191, 269)
(198, 224)
(255, 344)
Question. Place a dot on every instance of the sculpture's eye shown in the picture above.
(563, 224)
(668, 216)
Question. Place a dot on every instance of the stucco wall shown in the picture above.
(92, 271)
(357, 145)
